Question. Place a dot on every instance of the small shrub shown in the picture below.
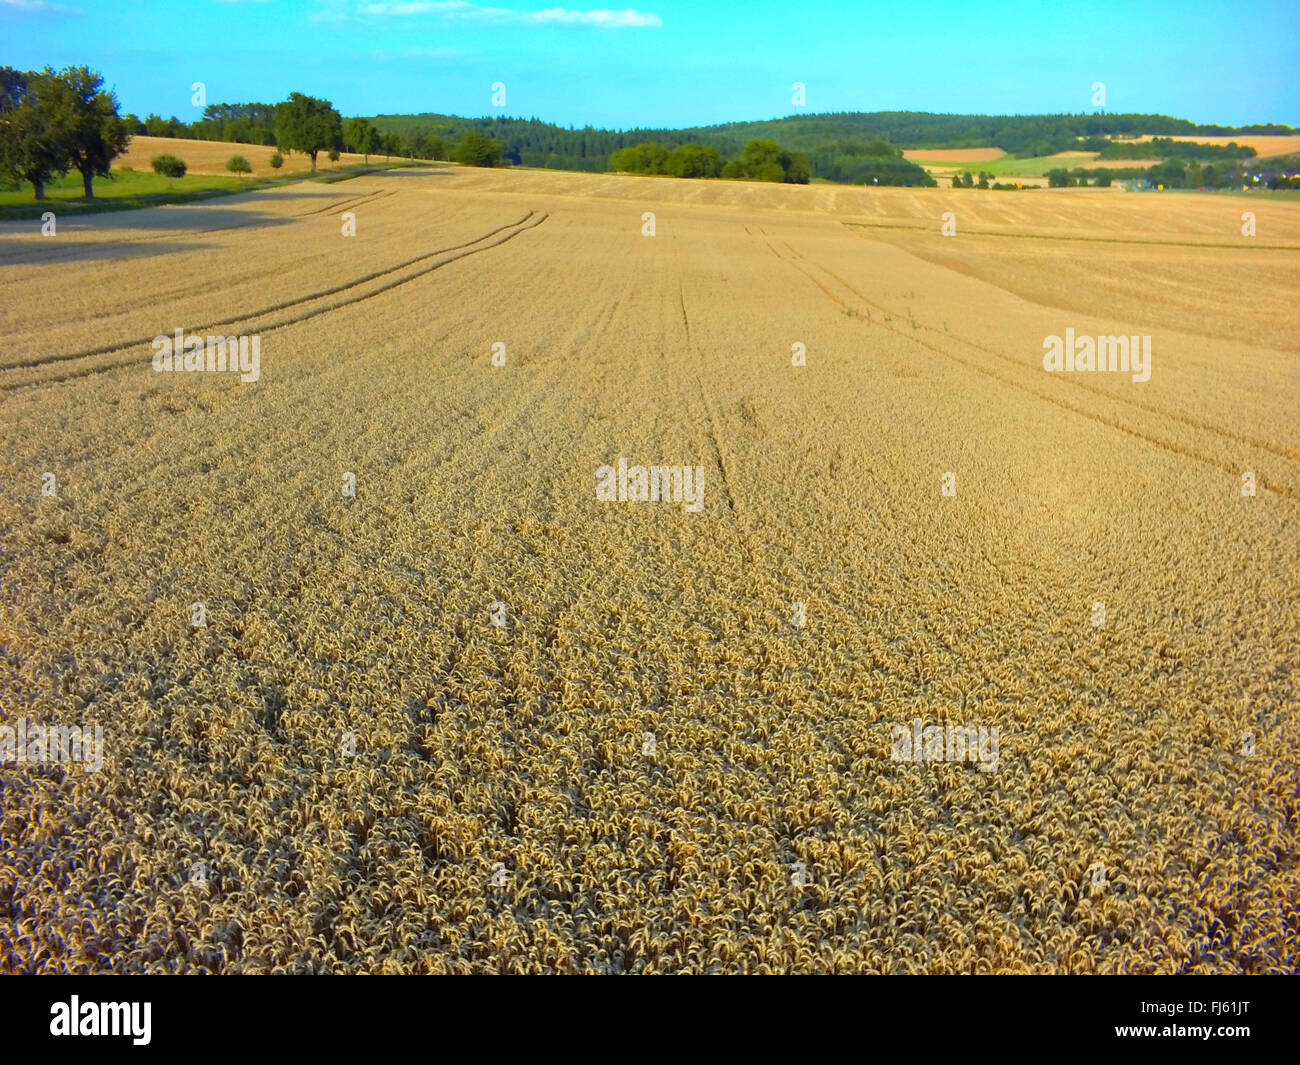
(168, 166)
(334, 155)
(237, 164)
(277, 160)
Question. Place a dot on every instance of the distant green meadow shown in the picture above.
(1009, 166)
(124, 184)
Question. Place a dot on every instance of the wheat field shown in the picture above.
(473, 718)
(1266, 145)
(209, 157)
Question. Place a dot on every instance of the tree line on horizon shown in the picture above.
(1018, 135)
(1281, 172)
(763, 159)
(1166, 148)
(532, 142)
(51, 123)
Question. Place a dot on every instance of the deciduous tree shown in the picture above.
(30, 149)
(361, 135)
(308, 125)
(478, 150)
(85, 127)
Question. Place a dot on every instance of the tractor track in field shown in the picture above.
(725, 458)
(143, 302)
(1195, 423)
(270, 308)
(515, 228)
(798, 262)
(1186, 419)
(364, 200)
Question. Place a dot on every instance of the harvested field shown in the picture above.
(955, 155)
(209, 157)
(472, 718)
(1093, 160)
(1095, 163)
(1265, 145)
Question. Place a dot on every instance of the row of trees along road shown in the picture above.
(55, 122)
(474, 148)
(365, 140)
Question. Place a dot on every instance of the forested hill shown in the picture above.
(1027, 135)
(531, 142)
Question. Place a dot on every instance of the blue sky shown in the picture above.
(676, 62)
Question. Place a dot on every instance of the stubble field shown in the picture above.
(209, 157)
(475, 719)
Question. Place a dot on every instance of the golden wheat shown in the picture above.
(501, 809)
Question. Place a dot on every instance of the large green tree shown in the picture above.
(478, 150)
(362, 137)
(308, 125)
(765, 160)
(426, 147)
(798, 170)
(693, 161)
(647, 157)
(31, 148)
(761, 160)
(13, 84)
(84, 125)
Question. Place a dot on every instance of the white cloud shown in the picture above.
(601, 17)
(38, 7)
(463, 9)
